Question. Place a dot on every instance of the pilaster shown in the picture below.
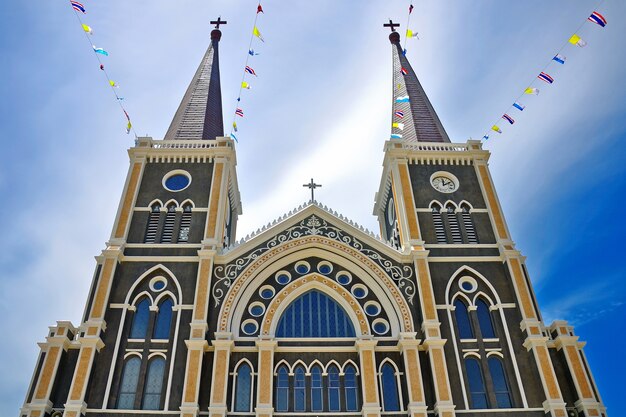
(410, 234)
(369, 381)
(219, 383)
(265, 380)
(415, 386)
(214, 229)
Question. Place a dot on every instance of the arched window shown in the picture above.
(128, 387)
(317, 389)
(389, 387)
(314, 314)
(351, 388)
(500, 385)
(468, 224)
(243, 388)
(185, 224)
(163, 320)
(334, 388)
(484, 320)
(153, 223)
(154, 384)
(453, 222)
(139, 328)
(299, 389)
(168, 227)
(440, 232)
(463, 322)
(476, 383)
(282, 389)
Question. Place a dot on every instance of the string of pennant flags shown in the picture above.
(248, 71)
(79, 9)
(544, 76)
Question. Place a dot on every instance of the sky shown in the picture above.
(320, 107)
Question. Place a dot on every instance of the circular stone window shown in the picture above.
(468, 284)
(157, 284)
(372, 308)
(344, 278)
(391, 212)
(283, 277)
(256, 309)
(176, 180)
(250, 327)
(359, 291)
(303, 267)
(380, 326)
(325, 268)
(267, 291)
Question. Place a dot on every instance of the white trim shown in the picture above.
(397, 374)
(176, 172)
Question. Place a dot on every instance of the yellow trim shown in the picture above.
(493, 202)
(80, 376)
(409, 205)
(46, 373)
(97, 310)
(215, 198)
(120, 230)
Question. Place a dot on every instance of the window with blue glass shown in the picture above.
(334, 389)
(154, 384)
(128, 386)
(141, 318)
(243, 388)
(299, 389)
(476, 382)
(314, 314)
(463, 322)
(163, 320)
(282, 389)
(317, 389)
(500, 385)
(351, 388)
(484, 320)
(389, 388)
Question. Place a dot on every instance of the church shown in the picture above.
(312, 315)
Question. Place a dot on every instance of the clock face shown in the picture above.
(444, 184)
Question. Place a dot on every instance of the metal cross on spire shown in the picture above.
(218, 22)
(312, 185)
(391, 25)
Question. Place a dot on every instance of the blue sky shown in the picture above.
(320, 107)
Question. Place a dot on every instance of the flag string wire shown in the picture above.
(408, 21)
(103, 68)
(545, 67)
(243, 77)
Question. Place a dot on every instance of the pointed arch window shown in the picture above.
(128, 387)
(468, 224)
(163, 320)
(153, 223)
(299, 389)
(168, 226)
(500, 385)
(314, 314)
(453, 223)
(476, 383)
(440, 231)
(185, 224)
(334, 388)
(141, 318)
(317, 389)
(484, 320)
(282, 389)
(389, 387)
(243, 388)
(463, 323)
(351, 388)
(154, 384)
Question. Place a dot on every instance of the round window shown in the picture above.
(267, 292)
(344, 278)
(256, 309)
(302, 267)
(380, 326)
(283, 277)
(325, 268)
(249, 327)
(176, 180)
(157, 284)
(372, 308)
(359, 291)
(468, 284)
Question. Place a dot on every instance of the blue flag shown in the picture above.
(519, 106)
(559, 58)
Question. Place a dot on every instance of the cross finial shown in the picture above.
(312, 185)
(391, 25)
(218, 22)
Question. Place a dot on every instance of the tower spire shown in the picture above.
(199, 115)
(419, 121)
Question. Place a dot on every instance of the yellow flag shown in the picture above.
(411, 34)
(257, 33)
(398, 125)
(245, 85)
(112, 83)
(574, 39)
(86, 28)
(495, 128)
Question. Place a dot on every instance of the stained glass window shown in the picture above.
(333, 389)
(154, 384)
(128, 387)
(299, 390)
(484, 319)
(282, 389)
(391, 400)
(476, 383)
(463, 320)
(141, 318)
(500, 386)
(317, 403)
(243, 390)
(163, 320)
(351, 389)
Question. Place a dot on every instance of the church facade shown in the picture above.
(312, 315)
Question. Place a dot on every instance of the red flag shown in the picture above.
(102, 67)
(259, 9)
(410, 8)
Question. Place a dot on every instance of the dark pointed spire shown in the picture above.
(421, 123)
(199, 115)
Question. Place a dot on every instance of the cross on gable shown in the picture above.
(391, 25)
(218, 22)
(312, 185)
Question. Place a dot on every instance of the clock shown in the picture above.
(444, 182)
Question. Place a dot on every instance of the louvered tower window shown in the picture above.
(440, 232)
(153, 223)
(185, 224)
(453, 222)
(468, 224)
(168, 227)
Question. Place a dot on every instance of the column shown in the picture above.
(369, 380)
(265, 379)
(415, 386)
(219, 384)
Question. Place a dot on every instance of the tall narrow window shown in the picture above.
(463, 320)
(168, 227)
(243, 390)
(128, 387)
(476, 383)
(351, 388)
(185, 224)
(468, 224)
(163, 320)
(153, 223)
(154, 384)
(141, 318)
(334, 388)
(391, 400)
(453, 222)
(317, 389)
(282, 389)
(440, 232)
(484, 320)
(500, 386)
(299, 390)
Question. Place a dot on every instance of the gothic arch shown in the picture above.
(342, 369)
(149, 272)
(155, 201)
(281, 363)
(170, 202)
(188, 201)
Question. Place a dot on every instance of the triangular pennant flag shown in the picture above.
(411, 34)
(257, 33)
(495, 128)
(259, 9)
(235, 126)
(245, 85)
(87, 29)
